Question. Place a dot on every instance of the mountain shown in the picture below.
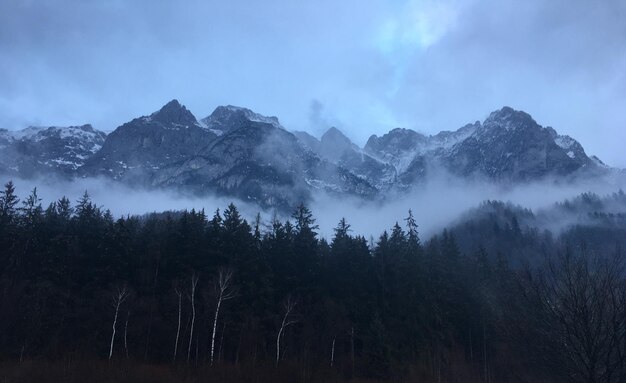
(237, 152)
(227, 118)
(40, 151)
(261, 163)
(141, 151)
(233, 152)
(509, 146)
(336, 148)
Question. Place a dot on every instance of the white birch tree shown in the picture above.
(194, 284)
(288, 306)
(224, 291)
(118, 298)
(179, 294)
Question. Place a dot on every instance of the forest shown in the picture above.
(195, 296)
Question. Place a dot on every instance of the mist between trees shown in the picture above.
(192, 296)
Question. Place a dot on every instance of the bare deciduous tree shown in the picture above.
(224, 291)
(581, 314)
(192, 296)
(288, 306)
(118, 298)
(179, 294)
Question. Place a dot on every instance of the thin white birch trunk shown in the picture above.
(217, 312)
(224, 292)
(118, 299)
(289, 306)
(194, 283)
(180, 309)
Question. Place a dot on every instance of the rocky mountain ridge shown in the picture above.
(237, 152)
(37, 150)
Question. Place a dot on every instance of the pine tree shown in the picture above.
(31, 209)
(232, 219)
(412, 233)
(8, 203)
(342, 229)
(305, 223)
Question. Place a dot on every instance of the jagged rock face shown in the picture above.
(308, 141)
(235, 152)
(254, 162)
(228, 118)
(398, 147)
(137, 151)
(44, 151)
(239, 153)
(511, 146)
(261, 163)
(508, 146)
(337, 149)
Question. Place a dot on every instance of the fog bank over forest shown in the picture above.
(436, 204)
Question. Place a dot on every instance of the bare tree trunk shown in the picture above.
(113, 336)
(194, 283)
(289, 306)
(179, 293)
(217, 312)
(224, 292)
(118, 299)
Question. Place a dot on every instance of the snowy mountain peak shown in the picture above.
(38, 133)
(39, 150)
(173, 113)
(26, 133)
(508, 119)
(242, 153)
(229, 117)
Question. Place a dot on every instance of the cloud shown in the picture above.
(443, 199)
(422, 64)
(417, 25)
(436, 204)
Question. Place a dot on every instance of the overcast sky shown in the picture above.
(363, 66)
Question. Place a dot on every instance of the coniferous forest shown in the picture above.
(197, 296)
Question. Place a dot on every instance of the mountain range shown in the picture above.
(237, 152)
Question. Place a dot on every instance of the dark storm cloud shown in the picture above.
(427, 65)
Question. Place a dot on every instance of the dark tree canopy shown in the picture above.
(400, 309)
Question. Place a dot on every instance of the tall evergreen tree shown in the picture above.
(8, 203)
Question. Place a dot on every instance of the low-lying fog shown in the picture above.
(435, 204)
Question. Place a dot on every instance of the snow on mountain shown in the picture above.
(508, 145)
(237, 152)
(226, 118)
(37, 150)
(338, 149)
(136, 151)
(401, 147)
